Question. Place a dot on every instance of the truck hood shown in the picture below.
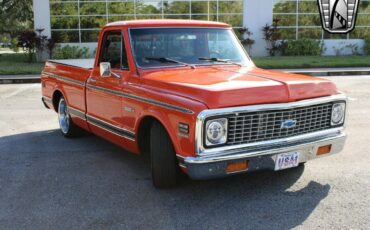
(219, 87)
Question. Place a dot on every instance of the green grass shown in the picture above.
(12, 64)
(297, 62)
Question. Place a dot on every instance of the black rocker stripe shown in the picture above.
(101, 124)
(110, 128)
(46, 99)
(143, 99)
(77, 113)
(65, 79)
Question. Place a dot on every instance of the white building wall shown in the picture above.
(257, 14)
(334, 47)
(41, 14)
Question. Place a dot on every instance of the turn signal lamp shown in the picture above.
(237, 166)
(323, 150)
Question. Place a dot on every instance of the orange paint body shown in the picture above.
(170, 95)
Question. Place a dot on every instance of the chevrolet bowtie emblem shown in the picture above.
(288, 124)
(338, 16)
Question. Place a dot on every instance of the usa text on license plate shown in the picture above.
(286, 160)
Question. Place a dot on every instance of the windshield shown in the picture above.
(166, 47)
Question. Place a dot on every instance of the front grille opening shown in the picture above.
(258, 126)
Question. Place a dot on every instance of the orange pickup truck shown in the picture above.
(187, 94)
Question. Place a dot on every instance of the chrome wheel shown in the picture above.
(64, 119)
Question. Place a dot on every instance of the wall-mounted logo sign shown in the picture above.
(338, 16)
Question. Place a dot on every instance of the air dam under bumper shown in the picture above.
(206, 167)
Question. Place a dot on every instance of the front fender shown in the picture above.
(184, 145)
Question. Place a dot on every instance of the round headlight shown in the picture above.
(337, 114)
(216, 132)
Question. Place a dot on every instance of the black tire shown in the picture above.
(66, 125)
(163, 158)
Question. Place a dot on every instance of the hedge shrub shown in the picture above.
(302, 47)
(70, 52)
(367, 46)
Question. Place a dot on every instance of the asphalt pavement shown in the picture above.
(50, 182)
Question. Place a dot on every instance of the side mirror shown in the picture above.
(105, 69)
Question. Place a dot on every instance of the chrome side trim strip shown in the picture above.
(142, 99)
(201, 150)
(131, 96)
(111, 128)
(104, 125)
(65, 79)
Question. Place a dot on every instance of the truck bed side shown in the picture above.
(66, 78)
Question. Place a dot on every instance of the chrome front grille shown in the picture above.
(250, 127)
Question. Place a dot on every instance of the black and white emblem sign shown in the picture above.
(338, 16)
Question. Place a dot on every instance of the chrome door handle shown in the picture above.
(91, 80)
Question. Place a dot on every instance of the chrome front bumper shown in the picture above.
(261, 157)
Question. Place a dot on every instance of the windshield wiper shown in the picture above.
(165, 59)
(220, 60)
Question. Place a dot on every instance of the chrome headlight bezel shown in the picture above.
(338, 108)
(222, 124)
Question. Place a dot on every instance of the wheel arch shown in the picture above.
(57, 94)
(144, 124)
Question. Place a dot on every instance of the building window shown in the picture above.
(301, 19)
(81, 20)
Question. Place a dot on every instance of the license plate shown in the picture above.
(286, 160)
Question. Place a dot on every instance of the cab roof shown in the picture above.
(168, 23)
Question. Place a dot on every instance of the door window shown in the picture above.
(114, 51)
